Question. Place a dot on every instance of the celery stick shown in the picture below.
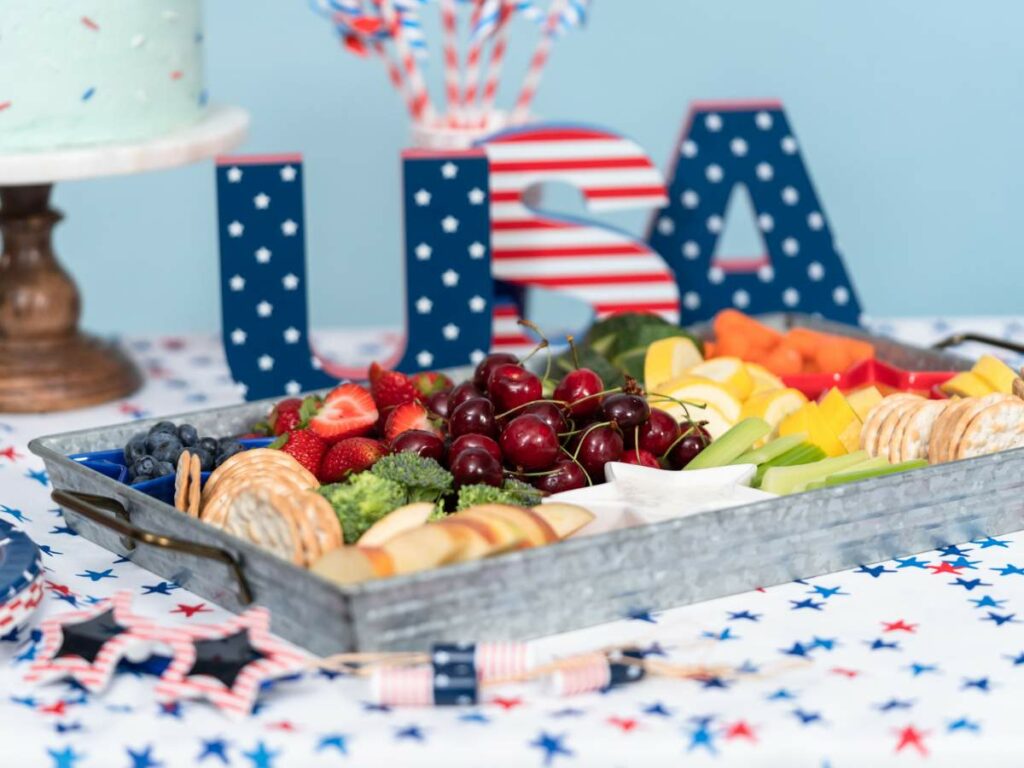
(854, 474)
(805, 453)
(785, 480)
(772, 450)
(878, 462)
(730, 445)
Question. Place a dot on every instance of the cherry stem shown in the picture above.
(636, 442)
(544, 343)
(574, 461)
(519, 407)
(684, 434)
(572, 348)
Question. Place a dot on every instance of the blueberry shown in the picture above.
(226, 442)
(165, 447)
(163, 426)
(188, 435)
(164, 468)
(135, 449)
(205, 458)
(228, 451)
(209, 444)
(144, 466)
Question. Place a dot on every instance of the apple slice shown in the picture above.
(564, 519)
(478, 539)
(534, 527)
(507, 535)
(396, 522)
(352, 565)
(423, 548)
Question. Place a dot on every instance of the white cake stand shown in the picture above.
(46, 363)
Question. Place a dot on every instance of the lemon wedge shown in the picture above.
(773, 407)
(695, 389)
(731, 372)
(669, 359)
(764, 380)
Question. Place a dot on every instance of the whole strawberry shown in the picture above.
(353, 454)
(305, 446)
(285, 416)
(390, 388)
(430, 383)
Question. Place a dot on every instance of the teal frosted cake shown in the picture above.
(80, 72)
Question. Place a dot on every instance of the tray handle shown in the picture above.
(960, 338)
(110, 514)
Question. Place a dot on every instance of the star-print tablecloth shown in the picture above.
(910, 661)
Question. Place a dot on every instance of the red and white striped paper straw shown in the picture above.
(403, 686)
(490, 92)
(419, 98)
(537, 65)
(498, 661)
(394, 75)
(473, 56)
(449, 26)
(584, 675)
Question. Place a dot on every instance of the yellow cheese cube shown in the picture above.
(995, 373)
(863, 400)
(809, 421)
(967, 385)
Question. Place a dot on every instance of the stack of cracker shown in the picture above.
(263, 496)
(905, 426)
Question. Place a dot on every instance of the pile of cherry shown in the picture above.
(500, 422)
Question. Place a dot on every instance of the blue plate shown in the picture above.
(111, 463)
(19, 561)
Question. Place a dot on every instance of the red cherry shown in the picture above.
(438, 403)
(473, 417)
(640, 457)
(567, 476)
(577, 388)
(694, 440)
(597, 447)
(530, 443)
(475, 466)
(461, 394)
(512, 385)
(483, 370)
(419, 441)
(625, 410)
(461, 443)
(550, 413)
(658, 432)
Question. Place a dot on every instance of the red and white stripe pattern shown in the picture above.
(449, 27)
(16, 611)
(496, 661)
(137, 642)
(403, 686)
(492, 80)
(419, 97)
(538, 62)
(279, 659)
(603, 267)
(584, 675)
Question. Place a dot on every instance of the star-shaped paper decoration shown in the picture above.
(226, 663)
(888, 379)
(87, 645)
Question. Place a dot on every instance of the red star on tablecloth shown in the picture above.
(10, 453)
(911, 737)
(898, 626)
(740, 730)
(850, 673)
(191, 610)
(625, 724)
(945, 567)
(507, 704)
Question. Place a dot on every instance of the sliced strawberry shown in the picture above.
(408, 416)
(353, 454)
(430, 383)
(390, 387)
(347, 411)
(306, 446)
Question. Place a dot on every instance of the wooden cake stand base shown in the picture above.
(46, 363)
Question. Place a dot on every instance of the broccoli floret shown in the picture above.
(423, 479)
(514, 492)
(361, 501)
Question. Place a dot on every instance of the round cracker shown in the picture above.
(918, 431)
(195, 484)
(938, 442)
(325, 519)
(259, 468)
(306, 527)
(994, 428)
(284, 483)
(998, 427)
(975, 406)
(182, 482)
(259, 455)
(895, 442)
(876, 419)
(264, 517)
(887, 427)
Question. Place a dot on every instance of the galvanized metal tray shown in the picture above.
(572, 584)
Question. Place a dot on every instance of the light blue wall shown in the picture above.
(909, 114)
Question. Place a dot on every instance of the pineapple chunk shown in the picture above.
(810, 421)
(863, 400)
